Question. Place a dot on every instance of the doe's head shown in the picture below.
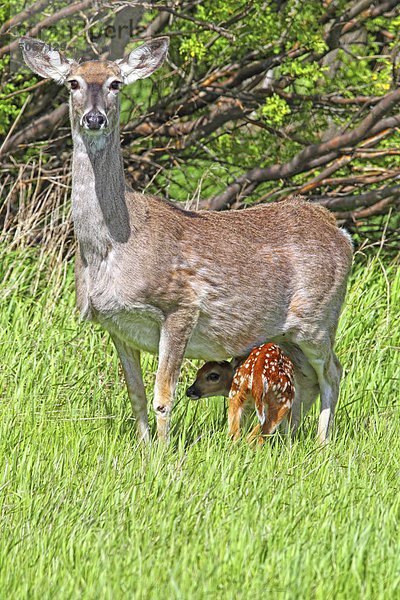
(213, 379)
(94, 85)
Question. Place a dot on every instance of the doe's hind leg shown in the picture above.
(328, 370)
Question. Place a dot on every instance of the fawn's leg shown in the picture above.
(276, 414)
(254, 433)
(237, 400)
(258, 397)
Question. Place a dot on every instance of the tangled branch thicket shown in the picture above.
(259, 100)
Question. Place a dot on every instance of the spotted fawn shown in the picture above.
(264, 379)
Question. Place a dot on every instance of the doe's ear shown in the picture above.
(44, 60)
(143, 61)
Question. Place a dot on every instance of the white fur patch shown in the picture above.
(261, 416)
(346, 234)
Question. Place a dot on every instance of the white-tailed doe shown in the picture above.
(175, 282)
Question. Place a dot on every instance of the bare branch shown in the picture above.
(68, 11)
(181, 15)
(356, 201)
(246, 183)
(25, 14)
(36, 129)
(378, 208)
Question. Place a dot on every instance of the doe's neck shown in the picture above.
(99, 210)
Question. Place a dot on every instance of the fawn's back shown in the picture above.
(265, 377)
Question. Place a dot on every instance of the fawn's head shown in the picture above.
(213, 379)
(94, 85)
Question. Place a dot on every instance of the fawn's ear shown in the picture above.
(143, 61)
(237, 361)
(224, 363)
(44, 60)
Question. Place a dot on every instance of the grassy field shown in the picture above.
(85, 513)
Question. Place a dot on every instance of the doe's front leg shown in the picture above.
(174, 336)
(130, 361)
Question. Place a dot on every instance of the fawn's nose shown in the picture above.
(192, 393)
(94, 120)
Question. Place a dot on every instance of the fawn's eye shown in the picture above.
(115, 85)
(212, 377)
(74, 84)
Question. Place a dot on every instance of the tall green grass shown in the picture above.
(86, 513)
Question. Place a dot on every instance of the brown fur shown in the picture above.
(94, 71)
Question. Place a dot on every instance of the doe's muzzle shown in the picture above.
(94, 120)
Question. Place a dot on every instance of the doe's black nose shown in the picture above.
(94, 120)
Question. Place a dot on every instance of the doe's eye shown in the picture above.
(114, 85)
(213, 377)
(74, 84)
